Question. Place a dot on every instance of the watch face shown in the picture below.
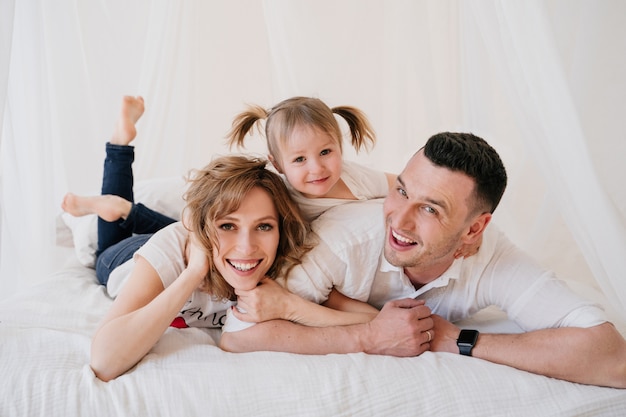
(467, 337)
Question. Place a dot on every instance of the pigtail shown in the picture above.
(361, 130)
(243, 124)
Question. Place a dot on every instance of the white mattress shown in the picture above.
(45, 340)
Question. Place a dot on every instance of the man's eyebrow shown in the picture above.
(439, 203)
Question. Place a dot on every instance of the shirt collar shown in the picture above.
(453, 272)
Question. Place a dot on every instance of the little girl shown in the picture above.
(240, 226)
(305, 145)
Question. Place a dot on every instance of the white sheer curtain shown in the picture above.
(540, 80)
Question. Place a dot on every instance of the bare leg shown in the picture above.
(108, 207)
(125, 130)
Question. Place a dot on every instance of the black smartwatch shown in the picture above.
(466, 341)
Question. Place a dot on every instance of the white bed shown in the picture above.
(45, 337)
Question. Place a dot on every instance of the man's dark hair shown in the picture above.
(473, 156)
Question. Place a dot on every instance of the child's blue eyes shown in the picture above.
(301, 159)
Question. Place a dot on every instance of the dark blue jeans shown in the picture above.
(119, 240)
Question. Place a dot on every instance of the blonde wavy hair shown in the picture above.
(218, 189)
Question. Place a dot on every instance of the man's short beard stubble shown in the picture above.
(433, 255)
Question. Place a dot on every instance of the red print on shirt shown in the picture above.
(179, 323)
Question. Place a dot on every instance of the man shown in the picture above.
(444, 198)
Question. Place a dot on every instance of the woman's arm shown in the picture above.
(139, 316)
(399, 330)
(270, 301)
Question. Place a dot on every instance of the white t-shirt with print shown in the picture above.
(164, 251)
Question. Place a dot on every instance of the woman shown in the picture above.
(240, 226)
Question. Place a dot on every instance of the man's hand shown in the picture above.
(402, 328)
(445, 335)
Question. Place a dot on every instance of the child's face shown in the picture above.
(312, 161)
(248, 240)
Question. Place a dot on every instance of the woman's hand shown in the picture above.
(268, 301)
(197, 259)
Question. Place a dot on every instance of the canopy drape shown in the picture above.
(542, 81)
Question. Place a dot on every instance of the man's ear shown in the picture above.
(476, 228)
(274, 163)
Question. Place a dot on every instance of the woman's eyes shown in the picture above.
(227, 226)
(264, 227)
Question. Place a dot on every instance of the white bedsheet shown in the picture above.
(44, 354)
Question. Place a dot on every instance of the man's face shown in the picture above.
(426, 216)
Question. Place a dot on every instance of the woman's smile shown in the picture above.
(248, 240)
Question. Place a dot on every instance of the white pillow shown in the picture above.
(164, 195)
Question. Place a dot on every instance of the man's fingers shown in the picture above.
(406, 303)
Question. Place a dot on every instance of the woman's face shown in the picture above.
(248, 240)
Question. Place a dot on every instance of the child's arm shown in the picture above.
(270, 301)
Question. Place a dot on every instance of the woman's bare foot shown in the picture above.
(125, 129)
(107, 207)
